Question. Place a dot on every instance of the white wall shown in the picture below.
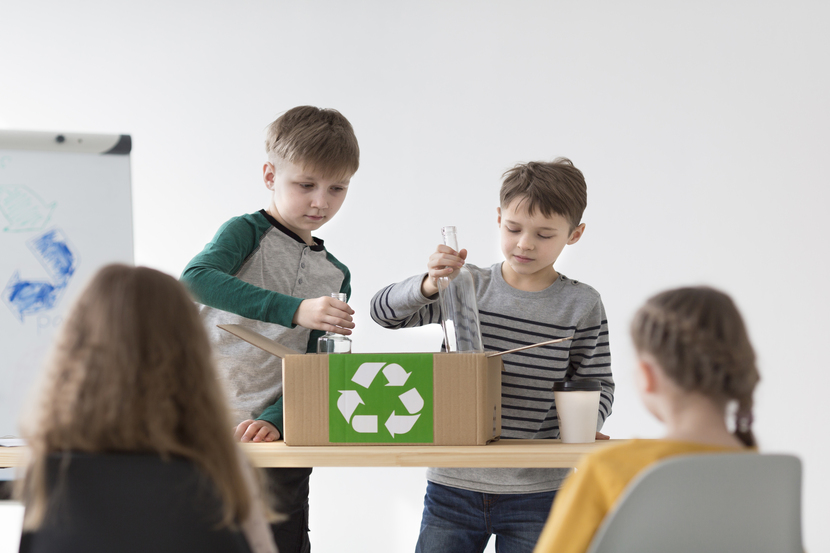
(701, 128)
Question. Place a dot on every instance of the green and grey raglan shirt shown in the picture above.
(255, 272)
(512, 318)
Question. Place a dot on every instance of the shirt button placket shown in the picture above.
(302, 264)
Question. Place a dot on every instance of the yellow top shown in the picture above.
(600, 478)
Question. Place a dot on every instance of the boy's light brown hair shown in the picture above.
(553, 188)
(317, 139)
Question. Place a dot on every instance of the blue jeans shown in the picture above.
(461, 521)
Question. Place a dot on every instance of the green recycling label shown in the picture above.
(380, 398)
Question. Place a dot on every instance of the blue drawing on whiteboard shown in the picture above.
(27, 297)
(23, 208)
(56, 254)
(53, 251)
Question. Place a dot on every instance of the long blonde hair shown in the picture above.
(131, 371)
(700, 341)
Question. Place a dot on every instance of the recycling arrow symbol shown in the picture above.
(54, 252)
(23, 208)
(396, 377)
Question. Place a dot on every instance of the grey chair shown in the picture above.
(708, 503)
(131, 503)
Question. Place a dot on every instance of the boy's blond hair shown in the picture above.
(554, 188)
(132, 372)
(316, 139)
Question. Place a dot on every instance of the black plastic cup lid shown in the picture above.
(588, 385)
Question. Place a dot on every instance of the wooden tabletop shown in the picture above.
(504, 453)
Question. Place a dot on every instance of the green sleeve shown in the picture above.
(273, 414)
(210, 275)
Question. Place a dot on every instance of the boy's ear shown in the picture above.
(576, 234)
(268, 174)
(498, 219)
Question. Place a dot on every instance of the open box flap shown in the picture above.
(498, 353)
(255, 338)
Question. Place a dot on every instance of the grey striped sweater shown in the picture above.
(511, 318)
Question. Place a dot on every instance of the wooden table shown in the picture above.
(504, 453)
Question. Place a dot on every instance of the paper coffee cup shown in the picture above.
(577, 404)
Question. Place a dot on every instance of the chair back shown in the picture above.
(130, 503)
(719, 502)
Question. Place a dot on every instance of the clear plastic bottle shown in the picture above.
(459, 310)
(331, 342)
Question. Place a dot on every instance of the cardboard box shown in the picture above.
(386, 398)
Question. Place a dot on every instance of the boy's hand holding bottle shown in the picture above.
(444, 262)
(325, 313)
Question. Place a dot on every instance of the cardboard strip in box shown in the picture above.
(386, 398)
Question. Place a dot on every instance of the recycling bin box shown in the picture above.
(400, 399)
(386, 398)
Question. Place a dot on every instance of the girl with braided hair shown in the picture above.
(694, 360)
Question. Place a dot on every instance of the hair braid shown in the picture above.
(700, 340)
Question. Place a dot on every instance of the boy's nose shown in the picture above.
(524, 243)
(319, 201)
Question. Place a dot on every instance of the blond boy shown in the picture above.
(267, 271)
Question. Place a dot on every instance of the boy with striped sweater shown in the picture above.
(522, 300)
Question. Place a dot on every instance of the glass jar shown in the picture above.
(331, 342)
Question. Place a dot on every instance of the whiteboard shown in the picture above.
(65, 211)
